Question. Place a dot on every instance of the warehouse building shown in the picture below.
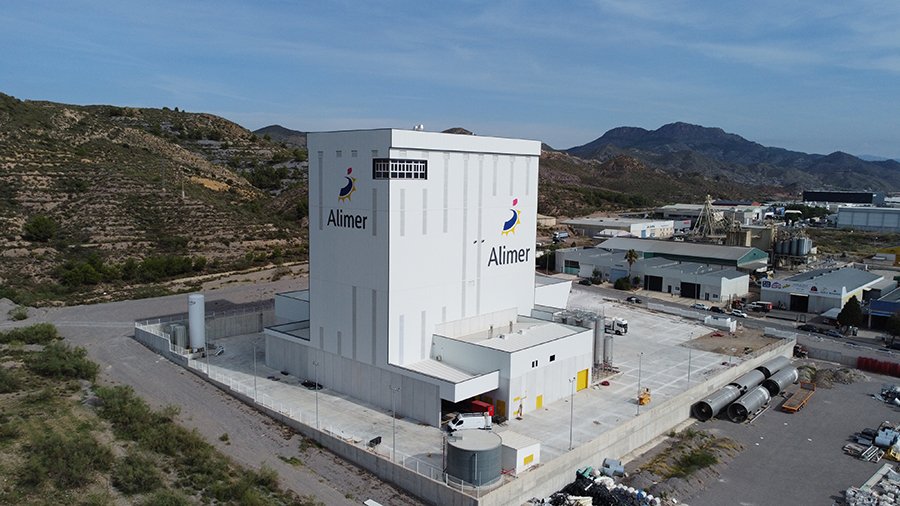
(880, 219)
(715, 283)
(844, 197)
(422, 283)
(635, 227)
(818, 290)
(741, 258)
(742, 214)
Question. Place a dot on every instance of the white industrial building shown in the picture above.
(818, 290)
(711, 282)
(744, 214)
(422, 284)
(881, 219)
(635, 227)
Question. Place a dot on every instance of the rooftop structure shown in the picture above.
(636, 227)
(818, 290)
(734, 256)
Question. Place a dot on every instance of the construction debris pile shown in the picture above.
(890, 394)
(596, 487)
(826, 378)
(883, 489)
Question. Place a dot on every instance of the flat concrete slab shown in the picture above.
(648, 356)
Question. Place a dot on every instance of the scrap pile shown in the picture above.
(873, 444)
(826, 378)
(596, 487)
(890, 394)
(883, 489)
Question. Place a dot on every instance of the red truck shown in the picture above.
(477, 406)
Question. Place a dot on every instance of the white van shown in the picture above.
(464, 421)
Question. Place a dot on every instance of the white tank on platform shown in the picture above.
(197, 320)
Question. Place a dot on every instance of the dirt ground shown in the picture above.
(742, 342)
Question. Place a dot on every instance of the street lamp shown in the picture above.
(571, 410)
(255, 394)
(393, 423)
(316, 386)
(640, 360)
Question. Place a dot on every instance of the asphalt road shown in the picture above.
(798, 458)
(106, 331)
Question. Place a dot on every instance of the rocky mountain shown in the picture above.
(680, 148)
(280, 134)
(95, 198)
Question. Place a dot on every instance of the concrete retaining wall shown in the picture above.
(430, 490)
(554, 475)
(160, 344)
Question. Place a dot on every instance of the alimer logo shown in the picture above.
(509, 227)
(342, 219)
(349, 188)
(501, 255)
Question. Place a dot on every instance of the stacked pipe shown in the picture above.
(749, 392)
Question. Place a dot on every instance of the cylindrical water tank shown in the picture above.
(197, 320)
(607, 349)
(805, 246)
(179, 335)
(774, 365)
(795, 246)
(473, 456)
(749, 380)
(781, 379)
(599, 345)
(710, 407)
(748, 403)
(779, 247)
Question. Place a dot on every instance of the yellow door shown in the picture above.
(539, 402)
(501, 407)
(582, 380)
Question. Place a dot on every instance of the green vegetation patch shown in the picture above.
(41, 333)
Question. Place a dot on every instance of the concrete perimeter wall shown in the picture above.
(554, 475)
(430, 490)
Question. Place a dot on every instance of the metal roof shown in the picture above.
(612, 220)
(690, 249)
(435, 369)
(517, 441)
(850, 278)
(526, 332)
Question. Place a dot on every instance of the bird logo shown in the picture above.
(349, 188)
(509, 227)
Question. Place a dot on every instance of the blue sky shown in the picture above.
(811, 76)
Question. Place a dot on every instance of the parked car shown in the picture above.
(716, 309)
(633, 300)
(808, 328)
(738, 313)
(834, 333)
(700, 306)
(585, 282)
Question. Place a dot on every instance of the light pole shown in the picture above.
(255, 394)
(571, 410)
(316, 386)
(393, 424)
(640, 363)
(689, 367)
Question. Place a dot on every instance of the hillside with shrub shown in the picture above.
(103, 199)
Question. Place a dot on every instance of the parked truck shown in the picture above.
(463, 421)
(617, 326)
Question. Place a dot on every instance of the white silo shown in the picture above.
(197, 320)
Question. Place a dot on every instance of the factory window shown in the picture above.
(534, 363)
(384, 168)
(338, 153)
(353, 153)
(552, 358)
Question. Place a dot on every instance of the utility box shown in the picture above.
(519, 452)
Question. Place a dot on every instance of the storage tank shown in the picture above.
(781, 379)
(805, 246)
(473, 456)
(780, 247)
(179, 335)
(795, 246)
(774, 365)
(749, 380)
(750, 402)
(710, 407)
(197, 320)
